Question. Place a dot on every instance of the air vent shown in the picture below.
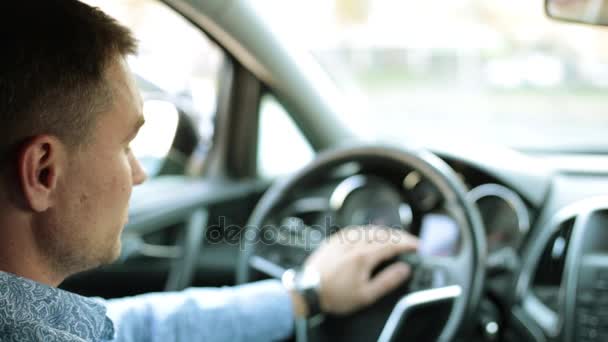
(546, 266)
(547, 280)
(586, 279)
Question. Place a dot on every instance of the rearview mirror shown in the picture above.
(594, 12)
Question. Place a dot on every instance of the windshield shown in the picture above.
(436, 71)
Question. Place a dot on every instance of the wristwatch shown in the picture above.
(306, 282)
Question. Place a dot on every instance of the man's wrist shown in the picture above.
(300, 308)
(304, 288)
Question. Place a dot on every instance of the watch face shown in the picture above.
(289, 279)
(308, 278)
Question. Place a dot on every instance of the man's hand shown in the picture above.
(346, 261)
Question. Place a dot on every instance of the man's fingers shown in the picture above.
(379, 251)
(388, 279)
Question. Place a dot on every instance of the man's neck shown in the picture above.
(32, 273)
(20, 256)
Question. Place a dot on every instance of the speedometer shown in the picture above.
(505, 215)
(362, 200)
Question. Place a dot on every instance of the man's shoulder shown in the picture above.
(30, 311)
(17, 330)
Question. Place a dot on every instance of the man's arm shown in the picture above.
(261, 311)
(265, 311)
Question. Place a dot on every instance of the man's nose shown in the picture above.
(139, 174)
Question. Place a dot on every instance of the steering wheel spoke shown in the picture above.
(266, 266)
(413, 301)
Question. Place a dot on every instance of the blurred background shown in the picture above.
(480, 70)
(433, 71)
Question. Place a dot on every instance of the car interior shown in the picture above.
(254, 155)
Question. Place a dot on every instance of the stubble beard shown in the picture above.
(67, 253)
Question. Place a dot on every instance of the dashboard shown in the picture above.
(547, 251)
(550, 285)
(355, 197)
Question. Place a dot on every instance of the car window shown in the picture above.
(282, 148)
(481, 71)
(177, 69)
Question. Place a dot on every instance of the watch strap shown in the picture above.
(305, 282)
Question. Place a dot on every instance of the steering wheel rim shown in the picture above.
(429, 166)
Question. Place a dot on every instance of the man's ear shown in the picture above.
(41, 161)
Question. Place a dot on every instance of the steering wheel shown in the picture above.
(455, 280)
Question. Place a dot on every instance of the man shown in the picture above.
(68, 110)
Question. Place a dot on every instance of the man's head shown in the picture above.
(68, 110)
